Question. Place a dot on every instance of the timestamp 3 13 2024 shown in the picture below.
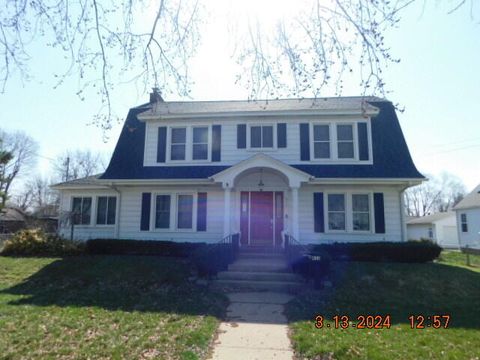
(417, 321)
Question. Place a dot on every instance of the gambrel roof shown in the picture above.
(391, 157)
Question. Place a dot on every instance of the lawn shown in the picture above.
(104, 307)
(443, 287)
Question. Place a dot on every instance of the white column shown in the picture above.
(295, 231)
(226, 212)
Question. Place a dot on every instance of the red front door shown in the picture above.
(261, 218)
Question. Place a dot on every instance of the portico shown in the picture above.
(261, 199)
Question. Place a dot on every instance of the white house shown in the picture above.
(468, 219)
(440, 228)
(320, 170)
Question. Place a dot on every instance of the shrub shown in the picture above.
(213, 258)
(141, 247)
(314, 267)
(34, 242)
(409, 252)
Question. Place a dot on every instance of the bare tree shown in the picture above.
(106, 43)
(438, 194)
(77, 164)
(23, 150)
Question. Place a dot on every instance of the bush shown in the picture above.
(213, 258)
(141, 247)
(314, 267)
(409, 252)
(34, 242)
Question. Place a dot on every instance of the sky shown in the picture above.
(437, 82)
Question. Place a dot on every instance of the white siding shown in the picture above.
(229, 153)
(472, 237)
(418, 231)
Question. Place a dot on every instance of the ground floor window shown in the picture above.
(360, 212)
(463, 218)
(162, 212)
(81, 210)
(185, 211)
(106, 209)
(336, 211)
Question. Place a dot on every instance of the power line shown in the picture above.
(451, 150)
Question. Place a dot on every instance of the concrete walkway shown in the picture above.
(255, 328)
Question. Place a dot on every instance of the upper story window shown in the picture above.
(200, 143)
(82, 209)
(463, 220)
(106, 209)
(261, 136)
(178, 143)
(321, 141)
(345, 144)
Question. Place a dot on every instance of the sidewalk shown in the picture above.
(255, 328)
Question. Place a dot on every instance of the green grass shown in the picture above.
(104, 307)
(458, 258)
(398, 290)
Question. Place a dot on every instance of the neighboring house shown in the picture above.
(320, 170)
(12, 220)
(440, 228)
(468, 219)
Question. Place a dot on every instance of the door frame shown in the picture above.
(249, 209)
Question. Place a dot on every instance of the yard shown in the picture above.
(99, 307)
(444, 287)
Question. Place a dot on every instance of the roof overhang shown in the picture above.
(295, 177)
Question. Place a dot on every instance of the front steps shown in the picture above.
(258, 269)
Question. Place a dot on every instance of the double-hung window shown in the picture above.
(162, 212)
(106, 209)
(81, 209)
(345, 147)
(185, 211)
(261, 136)
(361, 212)
(321, 141)
(178, 143)
(336, 212)
(463, 221)
(200, 143)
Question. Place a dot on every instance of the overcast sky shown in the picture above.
(437, 82)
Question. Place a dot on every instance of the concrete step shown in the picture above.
(259, 276)
(252, 255)
(249, 285)
(261, 249)
(264, 265)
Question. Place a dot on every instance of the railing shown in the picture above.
(216, 257)
(294, 250)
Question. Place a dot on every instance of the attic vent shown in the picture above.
(155, 96)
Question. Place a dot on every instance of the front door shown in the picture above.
(261, 218)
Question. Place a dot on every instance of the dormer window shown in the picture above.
(261, 137)
(178, 143)
(200, 143)
(345, 143)
(321, 141)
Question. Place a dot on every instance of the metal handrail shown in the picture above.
(305, 249)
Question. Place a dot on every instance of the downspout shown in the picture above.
(403, 228)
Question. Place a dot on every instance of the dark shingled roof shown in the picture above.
(391, 157)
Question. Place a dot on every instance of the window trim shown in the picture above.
(188, 144)
(194, 212)
(462, 223)
(354, 141)
(169, 142)
(330, 141)
(262, 149)
(173, 212)
(96, 210)
(349, 212)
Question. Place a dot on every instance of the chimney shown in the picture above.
(155, 96)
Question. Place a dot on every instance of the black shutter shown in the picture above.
(304, 142)
(282, 135)
(162, 143)
(318, 216)
(216, 142)
(145, 217)
(241, 136)
(362, 140)
(202, 211)
(378, 206)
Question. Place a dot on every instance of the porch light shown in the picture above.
(260, 183)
